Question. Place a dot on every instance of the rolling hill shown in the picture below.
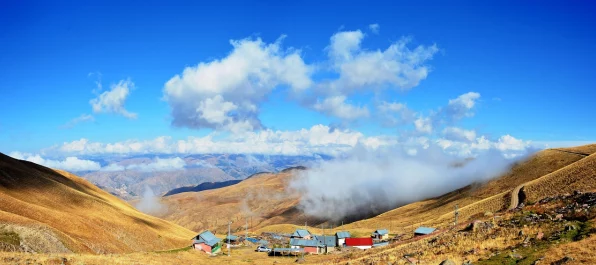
(48, 211)
(263, 199)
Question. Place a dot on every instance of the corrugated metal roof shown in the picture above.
(207, 237)
(381, 232)
(305, 242)
(364, 241)
(330, 241)
(424, 230)
(232, 237)
(342, 234)
(301, 233)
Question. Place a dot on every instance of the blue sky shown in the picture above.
(532, 66)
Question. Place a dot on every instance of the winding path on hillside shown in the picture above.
(515, 196)
(518, 191)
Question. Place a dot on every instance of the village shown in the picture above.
(300, 243)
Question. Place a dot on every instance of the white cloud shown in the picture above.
(112, 101)
(226, 94)
(423, 125)
(70, 163)
(158, 164)
(318, 139)
(77, 120)
(337, 106)
(397, 66)
(374, 28)
(507, 145)
(394, 113)
(363, 71)
(462, 106)
(459, 135)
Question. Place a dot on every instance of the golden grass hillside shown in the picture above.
(263, 199)
(54, 211)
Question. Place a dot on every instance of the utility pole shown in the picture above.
(456, 213)
(246, 231)
(229, 223)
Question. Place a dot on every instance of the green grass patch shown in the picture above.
(176, 250)
(10, 238)
(528, 256)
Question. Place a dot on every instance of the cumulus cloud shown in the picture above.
(459, 134)
(456, 109)
(423, 125)
(70, 163)
(226, 94)
(77, 120)
(337, 106)
(462, 106)
(394, 113)
(158, 164)
(398, 66)
(112, 101)
(374, 28)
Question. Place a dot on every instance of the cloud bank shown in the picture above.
(69, 163)
(369, 182)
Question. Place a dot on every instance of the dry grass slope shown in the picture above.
(264, 199)
(72, 215)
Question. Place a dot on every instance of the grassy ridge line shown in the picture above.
(580, 175)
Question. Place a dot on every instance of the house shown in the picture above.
(233, 240)
(312, 246)
(421, 231)
(207, 242)
(361, 243)
(330, 242)
(301, 233)
(341, 238)
(380, 234)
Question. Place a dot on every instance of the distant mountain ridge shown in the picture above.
(130, 182)
(221, 184)
(203, 186)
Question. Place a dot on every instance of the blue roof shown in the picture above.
(424, 230)
(305, 242)
(207, 237)
(342, 234)
(381, 231)
(301, 233)
(330, 241)
(232, 237)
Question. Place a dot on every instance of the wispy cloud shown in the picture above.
(374, 28)
(77, 120)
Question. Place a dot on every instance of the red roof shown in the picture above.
(363, 241)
